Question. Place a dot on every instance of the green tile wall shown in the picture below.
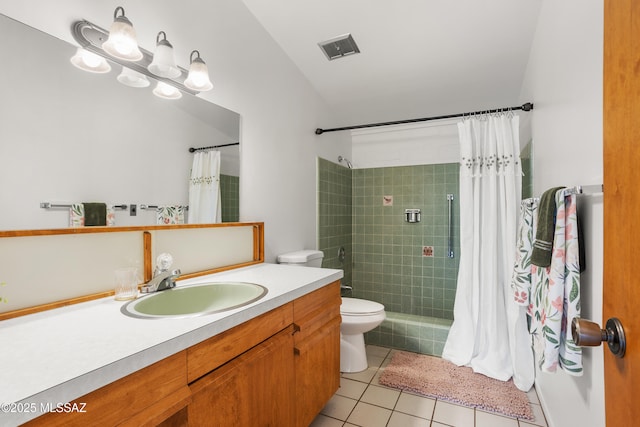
(388, 262)
(230, 198)
(334, 216)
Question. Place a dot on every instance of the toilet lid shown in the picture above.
(355, 306)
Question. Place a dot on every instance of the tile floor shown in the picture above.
(362, 401)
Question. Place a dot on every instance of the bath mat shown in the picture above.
(438, 378)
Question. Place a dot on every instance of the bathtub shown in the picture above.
(410, 332)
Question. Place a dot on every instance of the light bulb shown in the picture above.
(89, 61)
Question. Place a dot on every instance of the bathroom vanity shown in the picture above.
(279, 368)
(274, 361)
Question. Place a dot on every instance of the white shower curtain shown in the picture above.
(204, 188)
(489, 330)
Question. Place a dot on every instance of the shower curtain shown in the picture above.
(204, 188)
(488, 328)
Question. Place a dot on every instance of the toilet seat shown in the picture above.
(360, 307)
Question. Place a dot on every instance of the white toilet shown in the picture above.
(358, 315)
(304, 258)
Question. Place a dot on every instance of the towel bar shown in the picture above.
(145, 207)
(47, 205)
(450, 253)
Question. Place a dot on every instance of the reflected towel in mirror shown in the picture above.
(170, 215)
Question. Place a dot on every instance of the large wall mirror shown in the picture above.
(69, 136)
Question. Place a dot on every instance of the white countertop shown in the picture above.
(59, 355)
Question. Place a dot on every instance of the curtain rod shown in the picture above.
(193, 150)
(524, 107)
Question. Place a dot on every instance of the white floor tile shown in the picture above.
(398, 419)
(485, 419)
(363, 402)
(366, 415)
(453, 415)
(538, 416)
(351, 389)
(324, 421)
(533, 396)
(380, 396)
(365, 376)
(339, 407)
(376, 378)
(374, 350)
(416, 405)
(375, 361)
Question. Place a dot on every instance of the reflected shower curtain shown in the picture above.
(204, 188)
(488, 328)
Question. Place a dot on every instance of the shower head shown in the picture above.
(349, 165)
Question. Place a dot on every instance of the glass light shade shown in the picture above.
(164, 62)
(166, 91)
(129, 77)
(122, 43)
(89, 61)
(198, 78)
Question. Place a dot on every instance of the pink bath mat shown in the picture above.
(438, 378)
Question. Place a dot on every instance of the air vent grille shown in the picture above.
(339, 47)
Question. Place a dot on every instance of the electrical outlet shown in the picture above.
(133, 210)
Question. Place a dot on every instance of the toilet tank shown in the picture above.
(305, 258)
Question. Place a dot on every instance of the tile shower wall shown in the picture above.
(334, 216)
(389, 262)
(230, 198)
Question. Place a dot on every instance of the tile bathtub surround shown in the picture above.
(362, 401)
(389, 266)
(335, 216)
(230, 198)
(363, 210)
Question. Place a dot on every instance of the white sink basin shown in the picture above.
(195, 300)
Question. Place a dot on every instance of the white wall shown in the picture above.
(422, 143)
(564, 81)
(252, 76)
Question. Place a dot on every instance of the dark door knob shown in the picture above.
(588, 334)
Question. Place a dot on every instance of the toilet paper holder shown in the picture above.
(412, 215)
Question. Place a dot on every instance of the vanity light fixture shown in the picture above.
(129, 77)
(166, 91)
(92, 38)
(164, 62)
(122, 43)
(89, 61)
(198, 78)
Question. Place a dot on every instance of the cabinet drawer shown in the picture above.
(312, 311)
(212, 353)
(164, 381)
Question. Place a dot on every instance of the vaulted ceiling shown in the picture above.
(418, 58)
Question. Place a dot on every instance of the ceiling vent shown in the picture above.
(339, 47)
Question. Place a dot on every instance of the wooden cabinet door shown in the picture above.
(256, 389)
(317, 371)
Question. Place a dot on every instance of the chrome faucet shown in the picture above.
(162, 280)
